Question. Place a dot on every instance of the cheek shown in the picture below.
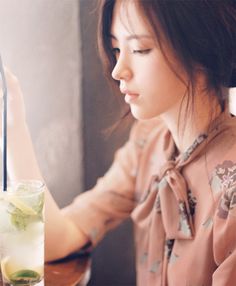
(158, 77)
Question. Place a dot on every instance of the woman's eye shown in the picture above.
(142, 52)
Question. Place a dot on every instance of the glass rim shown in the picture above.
(37, 184)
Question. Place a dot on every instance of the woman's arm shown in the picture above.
(224, 239)
(93, 213)
(62, 236)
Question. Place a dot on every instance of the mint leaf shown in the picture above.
(19, 219)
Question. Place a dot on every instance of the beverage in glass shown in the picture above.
(22, 233)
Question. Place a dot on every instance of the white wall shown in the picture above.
(39, 41)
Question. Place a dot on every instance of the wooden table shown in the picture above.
(70, 271)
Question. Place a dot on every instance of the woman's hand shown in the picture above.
(15, 103)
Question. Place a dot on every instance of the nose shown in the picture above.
(122, 70)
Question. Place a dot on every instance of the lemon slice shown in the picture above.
(20, 205)
(4, 262)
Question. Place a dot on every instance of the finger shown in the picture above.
(1, 91)
(10, 77)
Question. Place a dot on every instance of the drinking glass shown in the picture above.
(22, 233)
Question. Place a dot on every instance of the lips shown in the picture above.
(130, 96)
(126, 91)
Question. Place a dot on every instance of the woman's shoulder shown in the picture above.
(223, 143)
(221, 157)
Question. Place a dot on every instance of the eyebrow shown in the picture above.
(133, 37)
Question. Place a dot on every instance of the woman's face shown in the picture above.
(151, 88)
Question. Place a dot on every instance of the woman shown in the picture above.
(174, 62)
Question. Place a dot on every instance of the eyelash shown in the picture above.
(141, 52)
(116, 51)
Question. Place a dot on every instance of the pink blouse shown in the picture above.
(183, 207)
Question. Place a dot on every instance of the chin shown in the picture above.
(141, 115)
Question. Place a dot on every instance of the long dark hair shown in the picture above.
(201, 33)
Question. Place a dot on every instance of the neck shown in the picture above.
(192, 121)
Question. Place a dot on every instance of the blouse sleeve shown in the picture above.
(224, 239)
(112, 199)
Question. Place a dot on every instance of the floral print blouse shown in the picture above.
(183, 207)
